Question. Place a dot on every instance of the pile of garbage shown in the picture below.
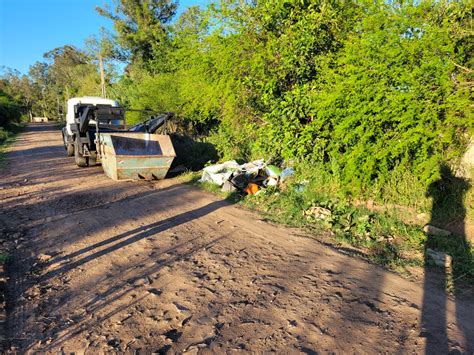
(248, 178)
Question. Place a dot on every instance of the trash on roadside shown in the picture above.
(273, 171)
(249, 178)
(271, 181)
(435, 231)
(219, 173)
(439, 258)
(253, 167)
(240, 180)
(251, 189)
(317, 212)
(228, 187)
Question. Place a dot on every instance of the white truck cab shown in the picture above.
(73, 114)
(90, 100)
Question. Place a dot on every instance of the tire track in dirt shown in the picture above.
(165, 267)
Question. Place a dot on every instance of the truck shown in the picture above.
(96, 132)
(84, 117)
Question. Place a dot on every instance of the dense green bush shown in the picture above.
(374, 93)
(384, 94)
(9, 110)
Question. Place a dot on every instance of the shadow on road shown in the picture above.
(132, 236)
(448, 204)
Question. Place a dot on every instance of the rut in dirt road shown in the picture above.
(165, 267)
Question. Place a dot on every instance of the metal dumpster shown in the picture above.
(135, 156)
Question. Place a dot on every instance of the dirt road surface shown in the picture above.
(164, 267)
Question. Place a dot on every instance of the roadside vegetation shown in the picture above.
(10, 121)
(367, 100)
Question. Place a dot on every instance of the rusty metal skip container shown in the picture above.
(135, 156)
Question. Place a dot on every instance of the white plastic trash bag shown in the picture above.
(253, 167)
(219, 173)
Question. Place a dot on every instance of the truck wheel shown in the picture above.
(81, 161)
(70, 149)
(93, 160)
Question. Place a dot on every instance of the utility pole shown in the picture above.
(102, 76)
(43, 105)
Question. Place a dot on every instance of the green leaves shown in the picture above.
(141, 25)
(364, 88)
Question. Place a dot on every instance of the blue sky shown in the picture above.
(29, 28)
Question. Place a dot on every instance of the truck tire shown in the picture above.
(81, 161)
(70, 149)
(93, 159)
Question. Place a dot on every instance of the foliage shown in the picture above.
(65, 73)
(140, 26)
(367, 100)
(9, 109)
(4, 258)
(374, 91)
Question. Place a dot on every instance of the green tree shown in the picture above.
(141, 27)
(103, 52)
(41, 81)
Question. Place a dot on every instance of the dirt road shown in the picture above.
(165, 267)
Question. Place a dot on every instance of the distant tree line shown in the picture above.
(66, 72)
(365, 90)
